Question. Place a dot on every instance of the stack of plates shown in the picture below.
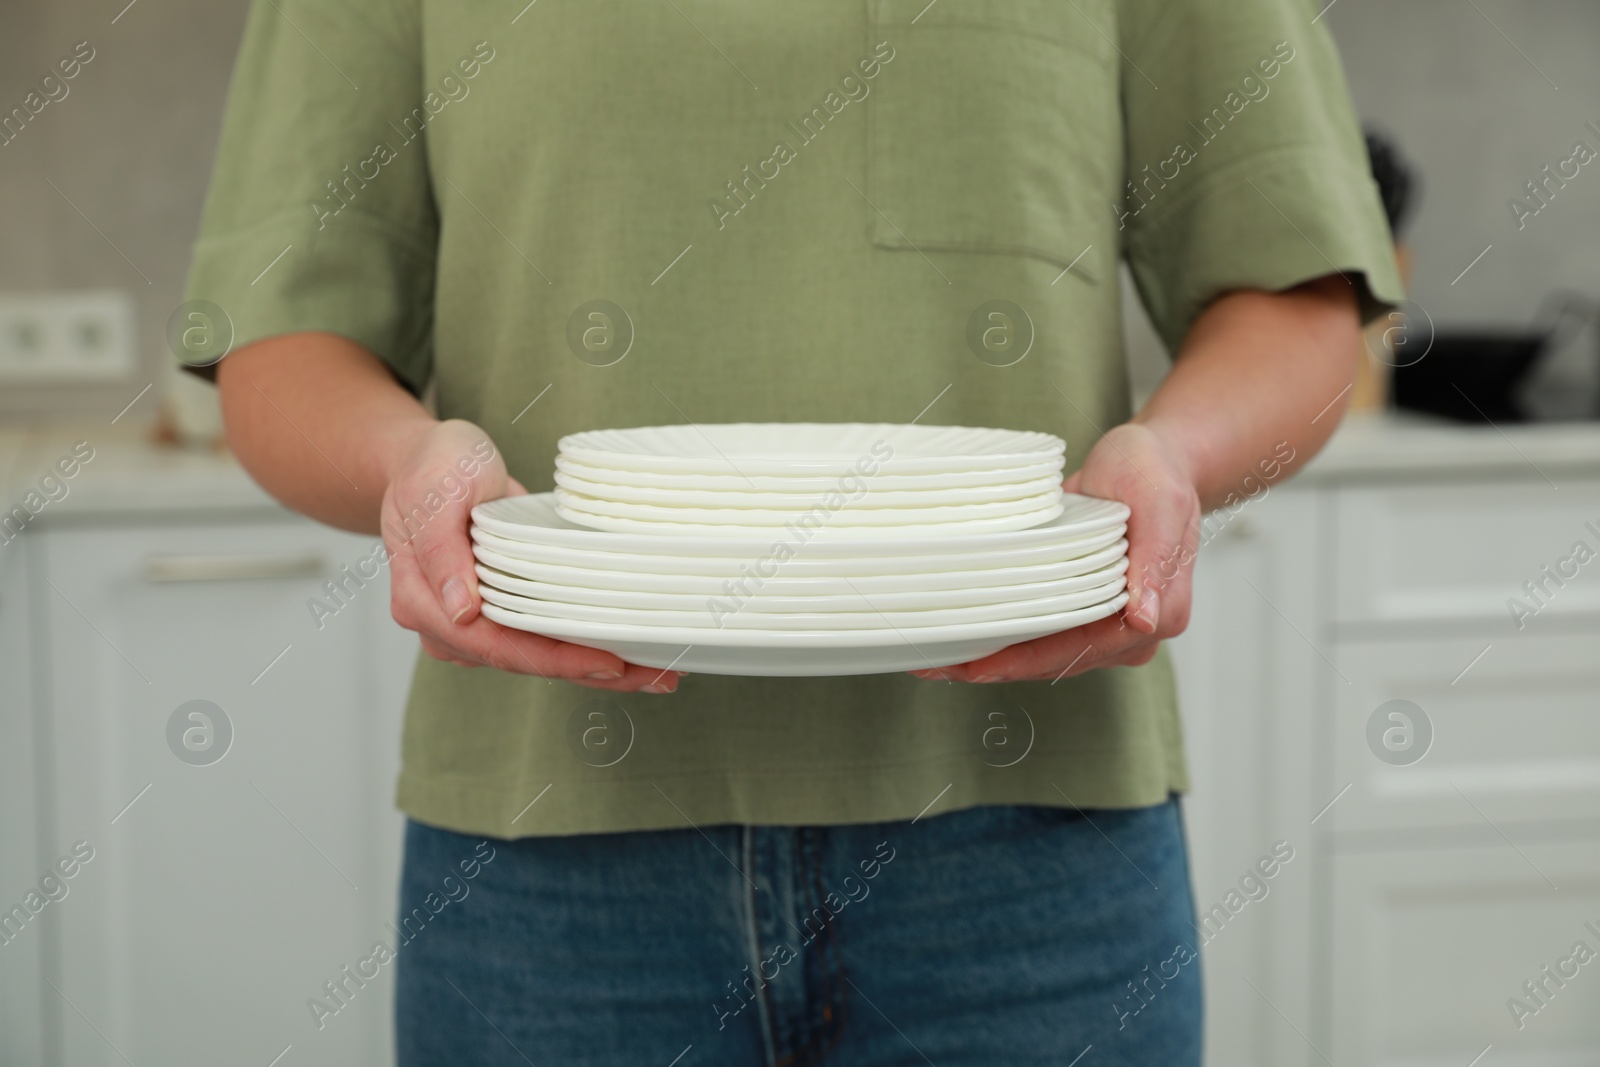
(802, 550)
(844, 480)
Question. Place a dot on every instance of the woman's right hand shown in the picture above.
(451, 467)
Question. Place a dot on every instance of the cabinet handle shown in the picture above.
(231, 568)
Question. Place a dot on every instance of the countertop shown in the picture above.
(131, 474)
(1391, 447)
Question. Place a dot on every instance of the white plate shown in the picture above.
(909, 600)
(844, 513)
(831, 531)
(861, 495)
(800, 565)
(757, 483)
(783, 585)
(533, 519)
(723, 615)
(801, 654)
(809, 448)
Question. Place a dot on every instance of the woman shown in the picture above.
(790, 213)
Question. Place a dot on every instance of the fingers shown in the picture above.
(481, 642)
(439, 650)
(1071, 651)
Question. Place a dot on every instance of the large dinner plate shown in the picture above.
(722, 614)
(763, 601)
(533, 518)
(784, 585)
(809, 448)
(800, 653)
(800, 565)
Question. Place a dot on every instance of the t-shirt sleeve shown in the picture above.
(321, 215)
(1245, 162)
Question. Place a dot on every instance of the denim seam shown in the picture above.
(824, 1034)
(753, 940)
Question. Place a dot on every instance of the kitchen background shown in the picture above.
(1438, 881)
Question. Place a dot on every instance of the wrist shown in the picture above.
(402, 440)
(1183, 448)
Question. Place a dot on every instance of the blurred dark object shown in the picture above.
(1470, 377)
(1397, 180)
(1482, 375)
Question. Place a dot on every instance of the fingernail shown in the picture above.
(658, 687)
(983, 678)
(604, 676)
(1151, 608)
(1146, 610)
(456, 601)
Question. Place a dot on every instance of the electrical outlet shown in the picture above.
(67, 337)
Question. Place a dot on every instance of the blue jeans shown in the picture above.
(989, 937)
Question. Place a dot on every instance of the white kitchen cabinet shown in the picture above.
(1432, 944)
(1407, 916)
(1515, 730)
(20, 863)
(220, 896)
(1453, 553)
(1246, 680)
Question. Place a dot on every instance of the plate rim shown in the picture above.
(581, 444)
(650, 561)
(787, 640)
(1120, 545)
(1118, 568)
(1104, 514)
(893, 620)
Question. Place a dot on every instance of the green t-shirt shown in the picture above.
(799, 207)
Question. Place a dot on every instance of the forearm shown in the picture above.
(320, 423)
(1257, 370)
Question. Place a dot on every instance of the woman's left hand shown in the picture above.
(1135, 465)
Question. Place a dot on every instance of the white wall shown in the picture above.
(1479, 121)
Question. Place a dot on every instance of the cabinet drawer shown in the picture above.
(1428, 946)
(1460, 551)
(1514, 738)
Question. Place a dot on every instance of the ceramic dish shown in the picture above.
(768, 603)
(798, 653)
(831, 531)
(783, 585)
(799, 565)
(533, 519)
(721, 614)
(844, 513)
(809, 448)
(866, 497)
(756, 483)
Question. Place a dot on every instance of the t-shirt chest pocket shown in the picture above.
(996, 128)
